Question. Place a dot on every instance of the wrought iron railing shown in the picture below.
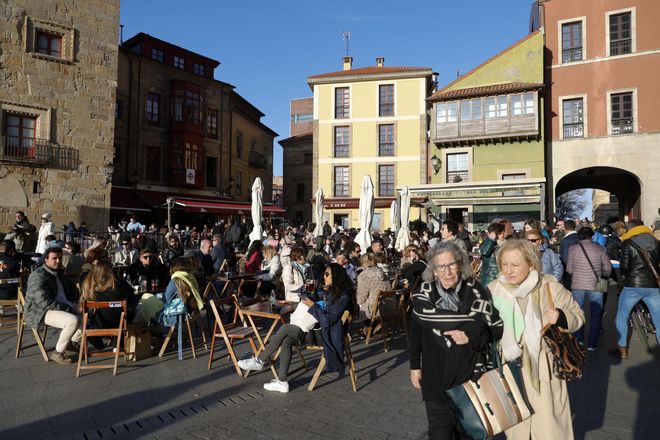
(37, 152)
(622, 126)
(571, 54)
(457, 176)
(257, 160)
(573, 130)
(620, 47)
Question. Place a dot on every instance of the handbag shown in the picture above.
(300, 317)
(492, 404)
(568, 356)
(601, 283)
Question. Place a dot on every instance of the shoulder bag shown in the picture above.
(647, 257)
(492, 404)
(567, 356)
(601, 283)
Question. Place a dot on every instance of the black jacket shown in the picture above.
(634, 268)
(170, 254)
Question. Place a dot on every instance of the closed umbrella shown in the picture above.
(318, 230)
(403, 236)
(395, 218)
(257, 193)
(363, 238)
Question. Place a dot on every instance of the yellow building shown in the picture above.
(369, 121)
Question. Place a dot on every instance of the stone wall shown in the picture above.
(71, 96)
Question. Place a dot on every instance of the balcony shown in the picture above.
(571, 54)
(620, 47)
(37, 153)
(622, 126)
(573, 130)
(257, 160)
(457, 176)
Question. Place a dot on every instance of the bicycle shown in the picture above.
(640, 320)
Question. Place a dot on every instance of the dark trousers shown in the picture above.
(286, 337)
(442, 421)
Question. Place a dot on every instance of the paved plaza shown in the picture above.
(163, 398)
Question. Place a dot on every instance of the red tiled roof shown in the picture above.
(494, 89)
(372, 70)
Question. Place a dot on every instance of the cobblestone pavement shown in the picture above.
(163, 398)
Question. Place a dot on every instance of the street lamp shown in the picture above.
(435, 163)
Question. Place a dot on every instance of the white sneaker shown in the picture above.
(252, 363)
(276, 385)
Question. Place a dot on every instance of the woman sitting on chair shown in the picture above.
(338, 298)
(181, 295)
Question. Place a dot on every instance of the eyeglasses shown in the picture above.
(534, 240)
(442, 268)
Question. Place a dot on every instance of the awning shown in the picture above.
(125, 199)
(223, 207)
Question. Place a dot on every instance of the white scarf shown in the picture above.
(531, 331)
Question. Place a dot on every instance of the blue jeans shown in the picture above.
(631, 296)
(595, 316)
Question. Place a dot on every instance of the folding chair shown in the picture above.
(12, 319)
(194, 317)
(102, 333)
(385, 314)
(345, 321)
(395, 281)
(248, 286)
(21, 328)
(229, 332)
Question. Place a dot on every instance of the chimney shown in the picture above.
(348, 63)
(380, 61)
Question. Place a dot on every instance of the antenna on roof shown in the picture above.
(346, 36)
(458, 73)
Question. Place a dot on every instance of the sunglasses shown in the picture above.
(534, 240)
(147, 257)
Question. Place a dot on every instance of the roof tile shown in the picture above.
(494, 89)
(371, 70)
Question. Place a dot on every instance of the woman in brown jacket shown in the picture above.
(520, 295)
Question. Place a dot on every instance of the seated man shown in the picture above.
(148, 268)
(9, 268)
(126, 255)
(50, 300)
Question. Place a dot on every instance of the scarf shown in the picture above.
(521, 326)
(448, 298)
(190, 280)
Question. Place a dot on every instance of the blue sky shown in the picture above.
(267, 49)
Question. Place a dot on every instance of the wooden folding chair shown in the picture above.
(386, 313)
(395, 281)
(194, 317)
(10, 321)
(229, 332)
(117, 333)
(346, 321)
(21, 328)
(246, 286)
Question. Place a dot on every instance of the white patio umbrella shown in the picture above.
(403, 236)
(363, 238)
(318, 230)
(257, 194)
(395, 216)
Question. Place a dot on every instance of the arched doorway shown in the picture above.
(623, 185)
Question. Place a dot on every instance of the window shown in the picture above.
(308, 158)
(188, 107)
(513, 176)
(341, 141)
(20, 135)
(212, 123)
(239, 145)
(501, 107)
(298, 118)
(239, 182)
(386, 140)
(49, 44)
(211, 171)
(386, 100)
(153, 164)
(522, 104)
(199, 69)
(190, 156)
(620, 35)
(571, 42)
(153, 108)
(119, 111)
(457, 167)
(573, 118)
(179, 62)
(342, 103)
(446, 112)
(386, 180)
(489, 104)
(300, 192)
(341, 181)
(157, 55)
(622, 113)
(471, 110)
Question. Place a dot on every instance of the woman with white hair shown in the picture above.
(452, 326)
(47, 228)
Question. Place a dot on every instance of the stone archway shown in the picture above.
(623, 184)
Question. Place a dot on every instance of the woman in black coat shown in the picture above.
(453, 322)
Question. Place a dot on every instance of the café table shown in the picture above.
(266, 311)
(231, 278)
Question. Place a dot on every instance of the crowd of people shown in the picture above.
(496, 277)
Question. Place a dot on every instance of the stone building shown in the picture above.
(298, 151)
(58, 64)
(182, 134)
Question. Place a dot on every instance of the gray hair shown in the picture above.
(461, 257)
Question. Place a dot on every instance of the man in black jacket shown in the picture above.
(640, 254)
(570, 238)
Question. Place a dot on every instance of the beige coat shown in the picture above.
(370, 281)
(552, 411)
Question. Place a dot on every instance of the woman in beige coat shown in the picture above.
(520, 296)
